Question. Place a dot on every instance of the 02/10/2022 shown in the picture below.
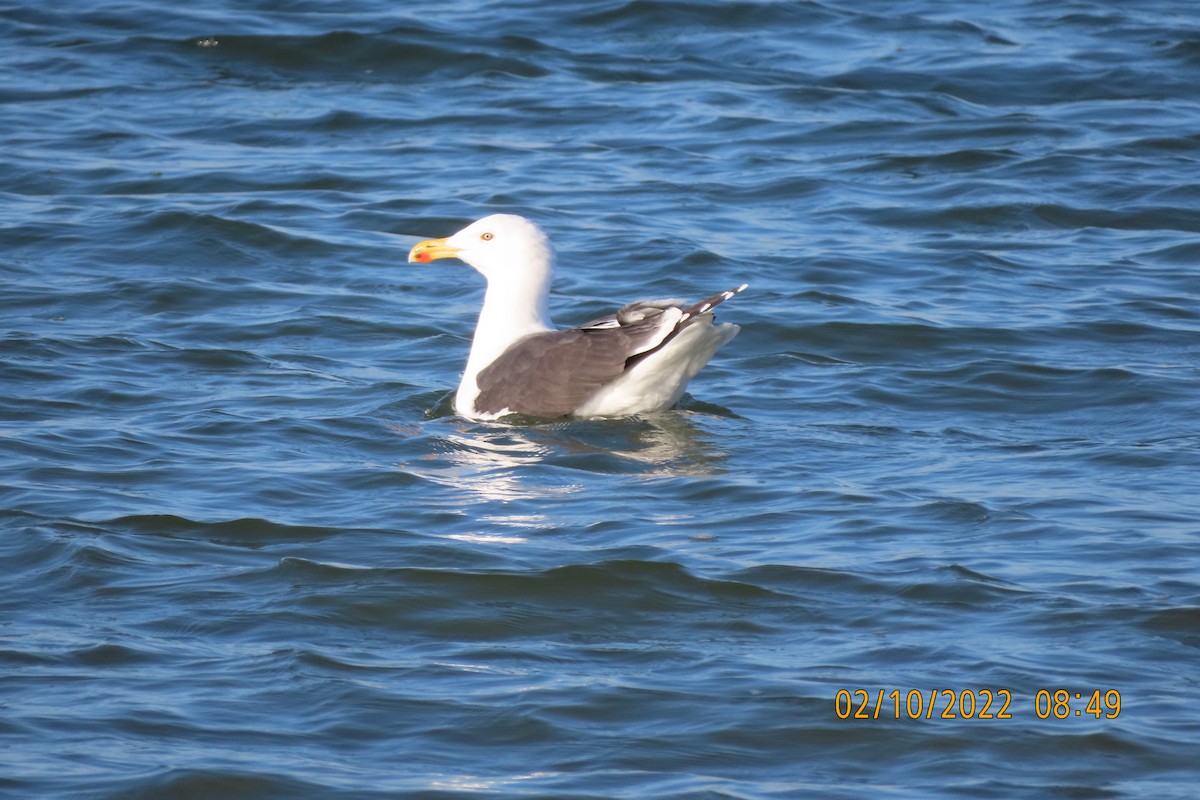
(981, 704)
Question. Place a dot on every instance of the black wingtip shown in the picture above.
(714, 301)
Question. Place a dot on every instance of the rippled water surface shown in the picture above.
(248, 550)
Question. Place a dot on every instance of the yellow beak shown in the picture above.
(431, 250)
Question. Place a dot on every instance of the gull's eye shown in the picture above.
(487, 237)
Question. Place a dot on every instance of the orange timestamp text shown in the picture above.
(972, 704)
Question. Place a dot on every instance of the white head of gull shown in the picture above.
(636, 360)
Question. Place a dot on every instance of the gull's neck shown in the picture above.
(513, 307)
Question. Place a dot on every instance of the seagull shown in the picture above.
(636, 360)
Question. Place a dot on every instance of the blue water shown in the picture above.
(248, 551)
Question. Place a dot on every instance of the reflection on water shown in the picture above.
(503, 464)
(670, 443)
(486, 538)
(479, 783)
(490, 461)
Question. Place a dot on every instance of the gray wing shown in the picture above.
(634, 312)
(551, 374)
